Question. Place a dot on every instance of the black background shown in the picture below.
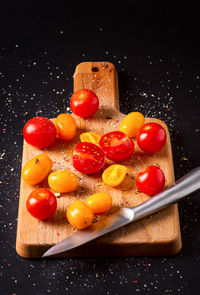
(155, 50)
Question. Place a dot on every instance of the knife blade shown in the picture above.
(122, 217)
(183, 187)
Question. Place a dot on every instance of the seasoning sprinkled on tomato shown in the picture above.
(117, 146)
(88, 158)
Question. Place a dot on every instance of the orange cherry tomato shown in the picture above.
(37, 169)
(90, 137)
(79, 215)
(99, 202)
(114, 175)
(66, 126)
(62, 181)
(131, 124)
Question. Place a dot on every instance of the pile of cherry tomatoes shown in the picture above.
(88, 158)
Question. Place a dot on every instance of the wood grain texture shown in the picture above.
(158, 234)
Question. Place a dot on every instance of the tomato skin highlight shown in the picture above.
(65, 126)
(40, 132)
(99, 202)
(84, 103)
(41, 203)
(117, 146)
(131, 124)
(88, 158)
(37, 169)
(151, 138)
(150, 181)
(63, 181)
(79, 215)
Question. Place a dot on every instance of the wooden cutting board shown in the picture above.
(158, 234)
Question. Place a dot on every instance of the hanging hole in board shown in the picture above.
(95, 69)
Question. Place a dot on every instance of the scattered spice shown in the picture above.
(57, 195)
(185, 159)
(37, 161)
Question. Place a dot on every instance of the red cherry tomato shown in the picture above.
(40, 132)
(117, 146)
(87, 158)
(41, 203)
(84, 103)
(151, 137)
(150, 181)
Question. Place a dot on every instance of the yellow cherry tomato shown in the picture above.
(79, 215)
(90, 137)
(66, 126)
(62, 181)
(131, 124)
(37, 169)
(99, 202)
(114, 175)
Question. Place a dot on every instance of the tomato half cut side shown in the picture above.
(88, 158)
(117, 146)
(90, 137)
(114, 174)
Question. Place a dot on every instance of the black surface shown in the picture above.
(155, 50)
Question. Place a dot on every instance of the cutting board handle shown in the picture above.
(100, 77)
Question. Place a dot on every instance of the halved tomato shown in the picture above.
(90, 137)
(117, 146)
(88, 158)
(114, 174)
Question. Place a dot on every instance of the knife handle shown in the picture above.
(186, 185)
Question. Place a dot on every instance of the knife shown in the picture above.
(183, 187)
